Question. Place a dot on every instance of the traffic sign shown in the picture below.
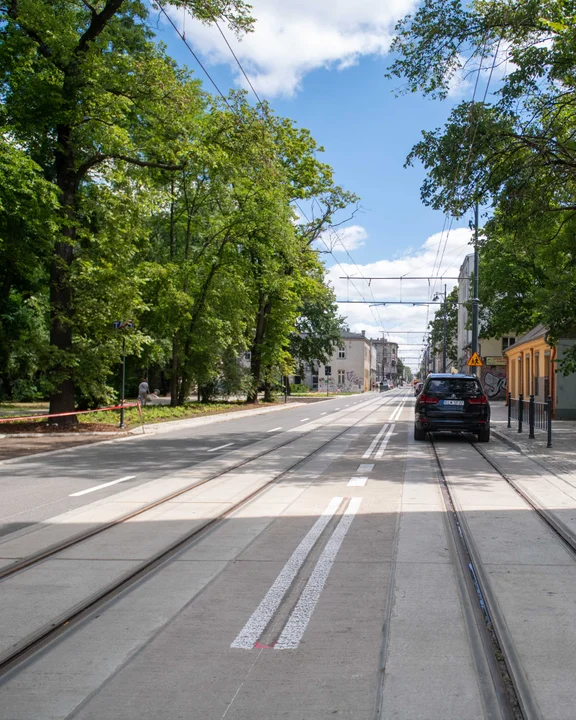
(120, 325)
(475, 361)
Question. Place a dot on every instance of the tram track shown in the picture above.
(522, 702)
(45, 635)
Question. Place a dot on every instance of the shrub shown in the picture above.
(299, 388)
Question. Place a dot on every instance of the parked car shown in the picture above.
(384, 386)
(418, 388)
(452, 402)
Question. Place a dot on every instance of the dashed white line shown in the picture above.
(365, 467)
(304, 419)
(296, 625)
(104, 485)
(384, 442)
(323, 413)
(274, 429)
(374, 442)
(220, 447)
(358, 481)
(263, 614)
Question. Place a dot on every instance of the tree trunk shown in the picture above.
(256, 350)
(174, 375)
(61, 311)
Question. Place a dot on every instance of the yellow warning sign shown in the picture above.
(475, 361)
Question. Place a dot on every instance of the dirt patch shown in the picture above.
(44, 428)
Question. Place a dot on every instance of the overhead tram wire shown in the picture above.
(183, 38)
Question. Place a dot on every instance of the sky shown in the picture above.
(322, 63)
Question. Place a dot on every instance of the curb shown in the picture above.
(508, 441)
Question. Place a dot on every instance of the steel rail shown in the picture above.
(56, 548)
(44, 636)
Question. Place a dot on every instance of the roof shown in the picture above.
(449, 375)
(536, 332)
(347, 335)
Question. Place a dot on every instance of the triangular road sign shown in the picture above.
(475, 361)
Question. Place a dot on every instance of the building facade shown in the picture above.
(491, 350)
(386, 359)
(531, 371)
(352, 367)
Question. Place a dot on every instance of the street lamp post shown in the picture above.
(475, 300)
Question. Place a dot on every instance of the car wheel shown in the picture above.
(419, 434)
(484, 435)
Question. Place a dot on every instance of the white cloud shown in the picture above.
(440, 254)
(342, 239)
(294, 37)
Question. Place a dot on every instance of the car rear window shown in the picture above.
(461, 387)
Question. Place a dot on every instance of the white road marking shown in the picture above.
(374, 442)
(271, 602)
(274, 429)
(296, 625)
(323, 413)
(99, 487)
(336, 409)
(365, 468)
(220, 447)
(304, 419)
(358, 481)
(383, 444)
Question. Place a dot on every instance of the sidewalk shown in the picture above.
(560, 458)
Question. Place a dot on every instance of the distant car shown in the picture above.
(452, 402)
(384, 386)
(418, 388)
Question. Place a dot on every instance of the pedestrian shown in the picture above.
(143, 392)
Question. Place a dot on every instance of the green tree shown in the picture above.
(436, 329)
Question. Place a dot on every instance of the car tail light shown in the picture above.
(482, 400)
(428, 399)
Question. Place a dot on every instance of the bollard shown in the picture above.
(509, 409)
(549, 418)
(531, 417)
(520, 411)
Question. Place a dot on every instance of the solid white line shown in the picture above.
(374, 442)
(296, 625)
(274, 429)
(99, 487)
(383, 444)
(365, 468)
(263, 614)
(304, 419)
(358, 481)
(220, 447)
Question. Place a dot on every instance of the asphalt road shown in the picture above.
(36, 488)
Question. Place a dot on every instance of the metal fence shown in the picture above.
(536, 414)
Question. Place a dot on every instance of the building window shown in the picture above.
(537, 374)
(342, 353)
(341, 377)
(507, 341)
(328, 370)
(247, 356)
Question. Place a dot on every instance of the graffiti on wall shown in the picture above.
(494, 381)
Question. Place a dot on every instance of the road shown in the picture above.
(322, 566)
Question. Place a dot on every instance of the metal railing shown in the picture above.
(538, 415)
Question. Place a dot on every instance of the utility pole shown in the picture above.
(444, 346)
(475, 300)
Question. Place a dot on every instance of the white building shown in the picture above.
(352, 366)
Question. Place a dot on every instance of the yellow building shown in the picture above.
(531, 370)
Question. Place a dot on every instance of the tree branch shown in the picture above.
(99, 22)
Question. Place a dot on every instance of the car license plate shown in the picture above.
(454, 402)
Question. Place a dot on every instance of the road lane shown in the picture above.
(32, 489)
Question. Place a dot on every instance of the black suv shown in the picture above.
(452, 402)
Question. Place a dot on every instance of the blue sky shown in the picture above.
(322, 63)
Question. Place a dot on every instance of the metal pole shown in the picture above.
(475, 296)
(509, 408)
(444, 346)
(549, 413)
(531, 417)
(122, 391)
(520, 411)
